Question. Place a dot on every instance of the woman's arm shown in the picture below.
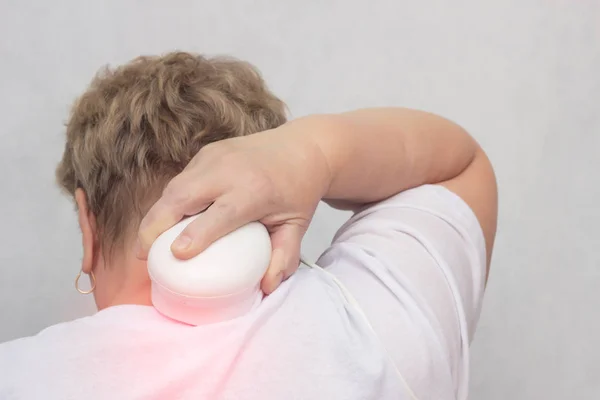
(279, 176)
(375, 153)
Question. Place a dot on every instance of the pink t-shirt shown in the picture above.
(414, 264)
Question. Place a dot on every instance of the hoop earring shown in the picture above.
(92, 278)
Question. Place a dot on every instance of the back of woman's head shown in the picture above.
(138, 125)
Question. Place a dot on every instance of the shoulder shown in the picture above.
(40, 344)
(416, 212)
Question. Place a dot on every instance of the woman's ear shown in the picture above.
(87, 223)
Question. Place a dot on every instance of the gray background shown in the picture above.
(522, 76)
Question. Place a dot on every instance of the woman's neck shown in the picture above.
(124, 281)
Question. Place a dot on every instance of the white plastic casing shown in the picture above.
(221, 283)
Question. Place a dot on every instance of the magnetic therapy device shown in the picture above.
(220, 283)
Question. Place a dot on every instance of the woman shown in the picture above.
(414, 256)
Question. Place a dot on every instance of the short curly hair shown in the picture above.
(138, 125)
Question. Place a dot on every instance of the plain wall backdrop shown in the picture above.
(523, 76)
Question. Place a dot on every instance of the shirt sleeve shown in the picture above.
(416, 265)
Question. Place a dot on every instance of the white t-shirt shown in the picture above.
(415, 264)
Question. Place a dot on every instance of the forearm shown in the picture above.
(375, 153)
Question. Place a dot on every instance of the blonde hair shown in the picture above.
(138, 125)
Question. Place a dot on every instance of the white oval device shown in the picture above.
(221, 283)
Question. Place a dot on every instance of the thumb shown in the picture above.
(285, 258)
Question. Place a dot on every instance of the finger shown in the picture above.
(184, 195)
(225, 215)
(286, 241)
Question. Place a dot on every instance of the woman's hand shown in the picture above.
(276, 177)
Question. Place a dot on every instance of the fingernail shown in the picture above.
(277, 280)
(281, 275)
(182, 243)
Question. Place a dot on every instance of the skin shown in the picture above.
(349, 160)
